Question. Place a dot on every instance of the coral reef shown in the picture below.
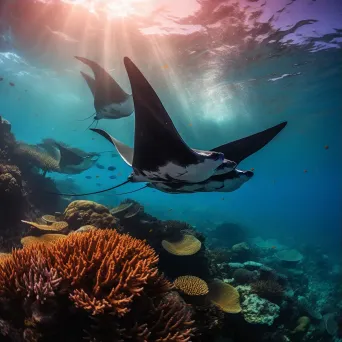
(51, 292)
(258, 310)
(82, 213)
(187, 245)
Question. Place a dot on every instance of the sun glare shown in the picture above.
(115, 8)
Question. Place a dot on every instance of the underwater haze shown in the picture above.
(223, 70)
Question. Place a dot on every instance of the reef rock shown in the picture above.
(257, 310)
(83, 213)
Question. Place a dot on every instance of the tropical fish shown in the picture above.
(110, 100)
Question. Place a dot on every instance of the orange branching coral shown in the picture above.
(192, 286)
(100, 272)
(188, 245)
(108, 271)
(55, 226)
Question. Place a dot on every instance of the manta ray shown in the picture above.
(72, 160)
(110, 100)
(161, 158)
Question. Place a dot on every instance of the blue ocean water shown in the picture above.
(223, 70)
(221, 76)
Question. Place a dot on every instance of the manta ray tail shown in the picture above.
(88, 193)
(130, 192)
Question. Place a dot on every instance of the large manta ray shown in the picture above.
(162, 159)
(110, 100)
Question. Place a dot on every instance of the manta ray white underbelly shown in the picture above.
(222, 183)
(192, 173)
(116, 110)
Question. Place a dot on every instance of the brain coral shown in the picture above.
(83, 213)
(100, 273)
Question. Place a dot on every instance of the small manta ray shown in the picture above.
(162, 159)
(72, 160)
(110, 100)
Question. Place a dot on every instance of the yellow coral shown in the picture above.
(44, 239)
(188, 245)
(55, 226)
(191, 285)
(302, 325)
(224, 296)
(38, 157)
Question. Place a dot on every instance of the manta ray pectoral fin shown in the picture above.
(239, 150)
(90, 81)
(156, 140)
(124, 150)
(106, 88)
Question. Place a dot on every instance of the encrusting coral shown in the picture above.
(268, 289)
(50, 292)
(44, 239)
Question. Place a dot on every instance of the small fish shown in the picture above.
(98, 184)
(111, 168)
(88, 177)
(150, 231)
(97, 176)
(252, 169)
(11, 84)
(326, 147)
(1, 79)
(165, 66)
(112, 177)
(305, 171)
(273, 247)
(170, 209)
(99, 166)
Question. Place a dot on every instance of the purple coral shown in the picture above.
(40, 281)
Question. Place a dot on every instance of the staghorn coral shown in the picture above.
(187, 245)
(268, 289)
(119, 277)
(224, 296)
(40, 281)
(191, 286)
(82, 213)
(107, 275)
